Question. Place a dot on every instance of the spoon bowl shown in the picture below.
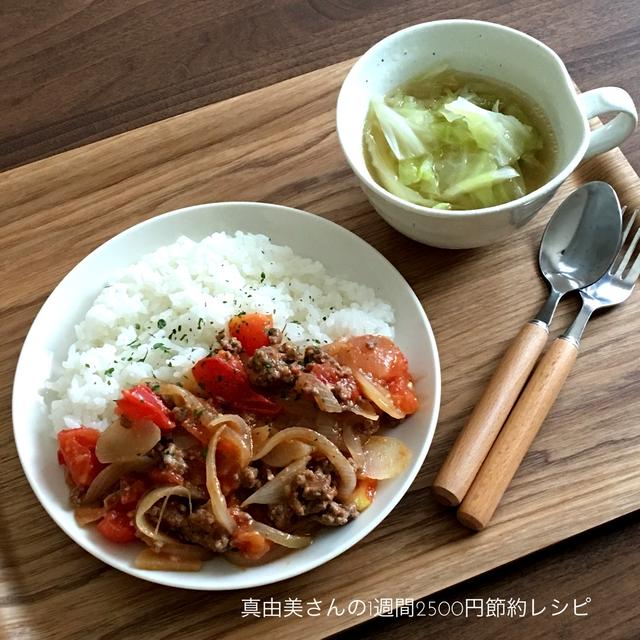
(581, 238)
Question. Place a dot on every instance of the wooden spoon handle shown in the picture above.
(486, 420)
(516, 436)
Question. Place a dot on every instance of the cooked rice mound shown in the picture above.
(159, 316)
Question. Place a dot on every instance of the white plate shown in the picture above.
(343, 253)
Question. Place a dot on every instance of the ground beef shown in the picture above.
(249, 478)
(336, 514)
(274, 335)
(281, 516)
(368, 427)
(336, 376)
(313, 493)
(274, 365)
(290, 352)
(173, 459)
(197, 492)
(167, 455)
(227, 343)
(281, 363)
(346, 388)
(324, 465)
(198, 527)
(315, 355)
(185, 465)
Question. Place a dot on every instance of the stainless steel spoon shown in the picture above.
(578, 245)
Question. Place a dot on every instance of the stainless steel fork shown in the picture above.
(543, 388)
(613, 288)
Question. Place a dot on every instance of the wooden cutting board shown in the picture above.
(279, 145)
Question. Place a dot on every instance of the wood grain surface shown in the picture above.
(74, 71)
(476, 438)
(579, 568)
(517, 435)
(278, 144)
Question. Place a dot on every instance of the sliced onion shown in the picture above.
(327, 425)
(274, 490)
(87, 515)
(111, 474)
(147, 501)
(218, 501)
(320, 391)
(244, 450)
(378, 394)
(235, 424)
(384, 457)
(149, 560)
(206, 413)
(287, 452)
(183, 398)
(190, 384)
(323, 445)
(259, 435)
(299, 408)
(184, 440)
(121, 444)
(186, 551)
(364, 408)
(288, 540)
(353, 444)
(233, 421)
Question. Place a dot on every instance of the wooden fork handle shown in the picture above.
(516, 436)
(474, 441)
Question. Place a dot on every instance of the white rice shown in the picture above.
(159, 316)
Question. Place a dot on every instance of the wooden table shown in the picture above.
(78, 71)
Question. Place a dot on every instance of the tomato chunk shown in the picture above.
(364, 493)
(77, 451)
(117, 527)
(325, 372)
(227, 465)
(165, 476)
(402, 394)
(198, 431)
(224, 378)
(251, 544)
(140, 403)
(381, 358)
(345, 383)
(127, 495)
(251, 330)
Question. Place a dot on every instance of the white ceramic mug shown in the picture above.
(493, 51)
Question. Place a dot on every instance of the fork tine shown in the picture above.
(629, 223)
(627, 256)
(625, 233)
(634, 272)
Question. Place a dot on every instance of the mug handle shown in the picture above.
(608, 100)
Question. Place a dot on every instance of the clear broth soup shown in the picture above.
(457, 162)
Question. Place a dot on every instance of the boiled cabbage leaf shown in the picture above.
(449, 152)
